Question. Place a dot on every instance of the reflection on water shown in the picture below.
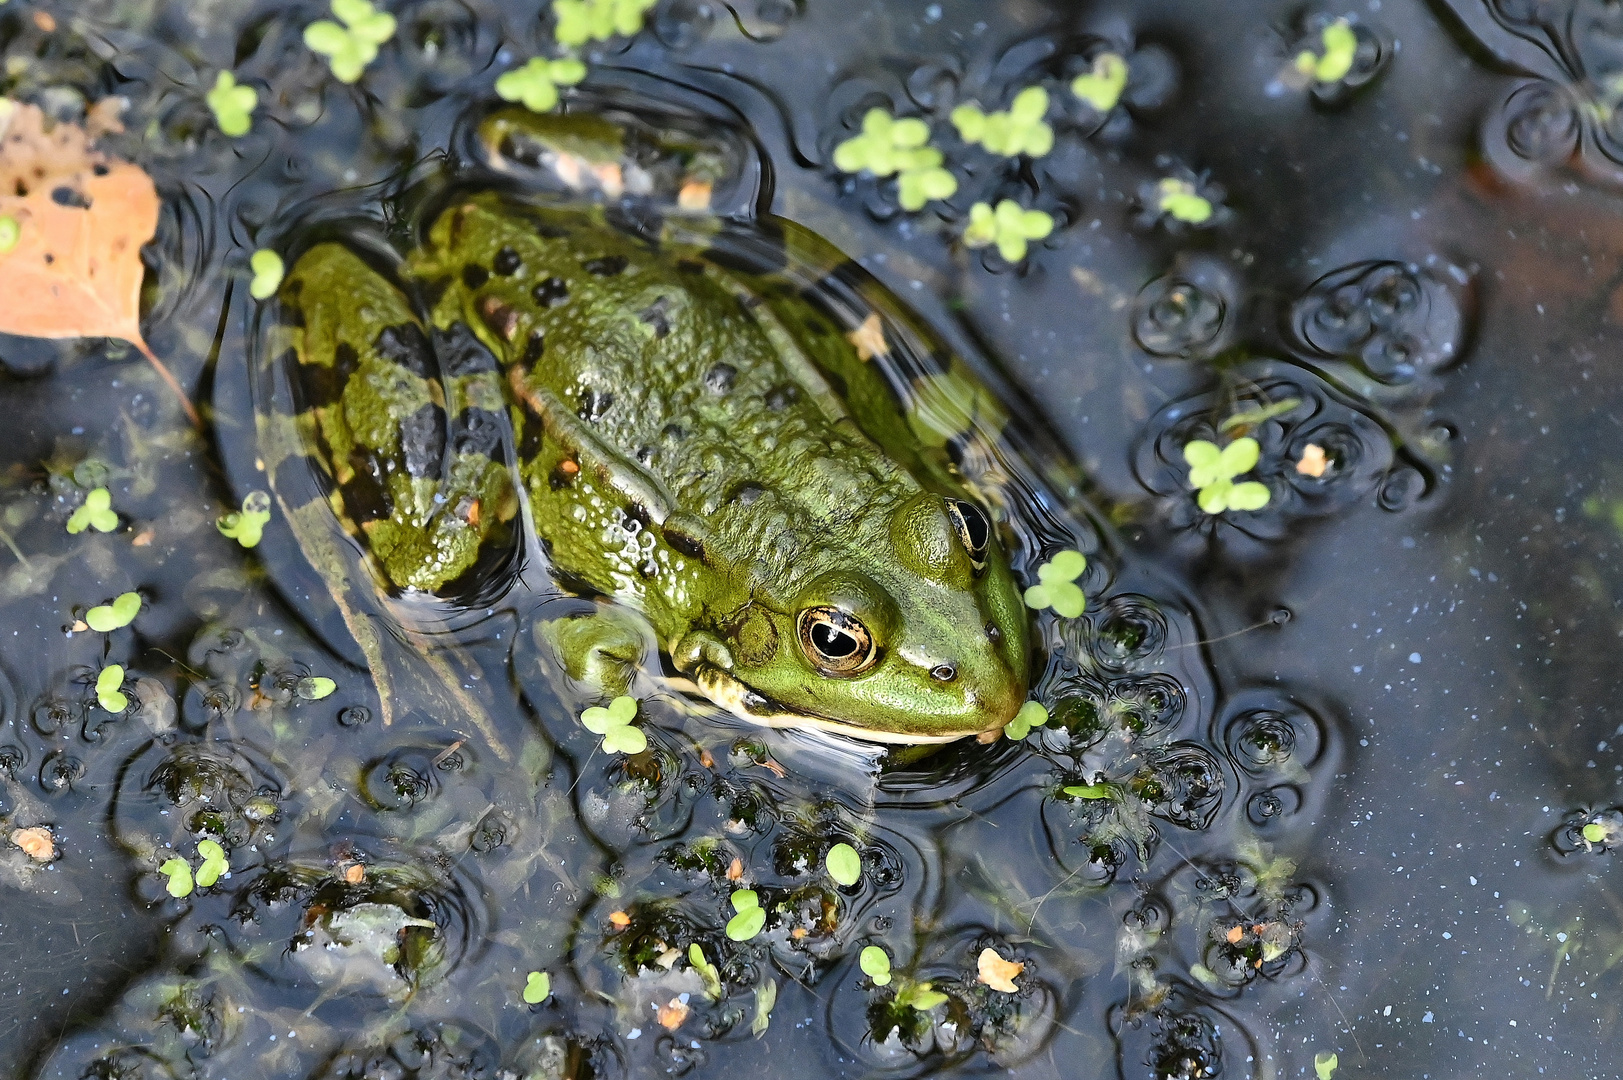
(1333, 776)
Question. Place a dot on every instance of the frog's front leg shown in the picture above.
(601, 649)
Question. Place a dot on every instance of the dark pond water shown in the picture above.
(1350, 742)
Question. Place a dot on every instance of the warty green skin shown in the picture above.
(681, 451)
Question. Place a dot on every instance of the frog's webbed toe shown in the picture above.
(601, 649)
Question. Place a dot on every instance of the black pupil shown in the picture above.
(977, 531)
(832, 641)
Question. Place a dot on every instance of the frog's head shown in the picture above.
(922, 637)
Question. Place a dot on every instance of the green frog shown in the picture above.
(701, 444)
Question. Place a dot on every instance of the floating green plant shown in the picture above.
(96, 512)
(351, 43)
(537, 986)
(314, 687)
(1011, 227)
(919, 995)
(891, 147)
(1018, 130)
(875, 963)
(1056, 585)
(247, 526)
(1033, 714)
(844, 864)
(179, 873)
(10, 233)
(707, 971)
(1102, 86)
(536, 83)
(1340, 45)
(1212, 472)
(109, 689)
(105, 618)
(614, 724)
(1089, 791)
(1595, 832)
(232, 104)
(580, 21)
(1325, 1064)
(268, 269)
(214, 863)
(751, 915)
(1250, 418)
(1179, 200)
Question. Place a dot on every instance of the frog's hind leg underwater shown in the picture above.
(372, 403)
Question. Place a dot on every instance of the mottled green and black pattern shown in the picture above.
(702, 445)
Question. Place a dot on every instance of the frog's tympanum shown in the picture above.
(683, 440)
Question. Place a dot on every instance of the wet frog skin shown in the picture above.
(679, 449)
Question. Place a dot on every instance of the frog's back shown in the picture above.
(666, 418)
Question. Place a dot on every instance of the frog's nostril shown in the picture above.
(944, 672)
(993, 634)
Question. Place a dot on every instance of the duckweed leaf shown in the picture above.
(1019, 130)
(1325, 1064)
(875, 963)
(766, 996)
(1088, 791)
(106, 618)
(214, 864)
(536, 83)
(1101, 87)
(1594, 832)
(580, 21)
(625, 740)
(537, 986)
(1010, 227)
(1178, 199)
(707, 971)
(232, 104)
(746, 924)
(1212, 472)
(314, 687)
(751, 916)
(247, 526)
(268, 270)
(920, 996)
(354, 44)
(888, 146)
(620, 712)
(95, 512)
(10, 233)
(1032, 714)
(179, 873)
(1340, 44)
(109, 689)
(844, 864)
(1056, 585)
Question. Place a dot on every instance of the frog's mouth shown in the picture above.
(726, 690)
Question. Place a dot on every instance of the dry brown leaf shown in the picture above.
(997, 972)
(619, 920)
(735, 871)
(869, 338)
(355, 873)
(1313, 462)
(143, 538)
(82, 217)
(1235, 934)
(36, 843)
(672, 1013)
(694, 196)
(45, 21)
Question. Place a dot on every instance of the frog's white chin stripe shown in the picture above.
(738, 699)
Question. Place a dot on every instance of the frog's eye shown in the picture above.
(973, 529)
(836, 642)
